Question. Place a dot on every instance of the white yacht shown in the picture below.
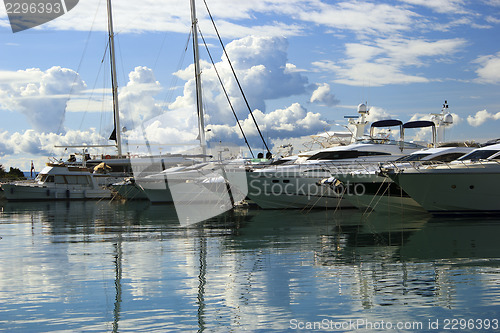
(57, 182)
(297, 185)
(467, 185)
(367, 189)
(156, 186)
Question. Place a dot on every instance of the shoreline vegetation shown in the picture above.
(12, 174)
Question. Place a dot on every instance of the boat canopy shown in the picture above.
(386, 123)
(421, 124)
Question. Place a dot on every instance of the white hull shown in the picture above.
(271, 191)
(368, 191)
(445, 191)
(155, 188)
(386, 204)
(21, 192)
(156, 195)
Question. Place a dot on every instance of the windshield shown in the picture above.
(412, 157)
(478, 155)
(345, 154)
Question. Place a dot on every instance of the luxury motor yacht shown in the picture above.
(468, 185)
(57, 182)
(368, 189)
(297, 185)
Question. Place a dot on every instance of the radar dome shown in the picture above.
(362, 108)
(448, 119)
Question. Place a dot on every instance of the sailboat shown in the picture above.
(186, 178)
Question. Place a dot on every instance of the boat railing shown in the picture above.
(421, 166)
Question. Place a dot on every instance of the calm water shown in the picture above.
(103, 267)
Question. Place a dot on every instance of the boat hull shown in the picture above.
(280, 191)
(467, 192)
(374, 192)
(17, 192)
(129, 191)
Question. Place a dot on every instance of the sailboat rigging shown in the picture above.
(197, 74)
(116, 134)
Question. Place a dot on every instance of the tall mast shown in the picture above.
(116, 135)
(197, 73)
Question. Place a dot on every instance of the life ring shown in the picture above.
(107, 157)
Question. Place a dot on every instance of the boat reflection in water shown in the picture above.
(115, 267)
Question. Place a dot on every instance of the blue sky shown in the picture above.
(303, 65)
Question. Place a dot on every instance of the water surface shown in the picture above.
(130, 267)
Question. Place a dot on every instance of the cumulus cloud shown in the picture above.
(18, 149)
(33, 142)
(264, 73)
(481, 117)
(261, 65)
(323, 95)
(293, 121)
(41, 96)
(489, 70)
(137, 98)
(378, 113)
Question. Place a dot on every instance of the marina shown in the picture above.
(231, 200)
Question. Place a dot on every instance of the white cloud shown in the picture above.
(383, 61)
(481, 117)
(292, 121)
(262, 68)
(489, 70)
(360, 17)
(264, 73)
(18, 148)
(323, 95)
(174, 16)
(495, 3)
(440, 6)
(378, 113)
(40, 95)
(137, 98)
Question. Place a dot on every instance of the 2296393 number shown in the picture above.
(471, 324)
(33, 8)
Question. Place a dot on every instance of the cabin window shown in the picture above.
(60, 179)
(412, 157)
(281, 161)
(447, 157)
(345, 154)
(83, 180)
(478, 155)
(71, 179)
(47, 179)
(316, 170)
